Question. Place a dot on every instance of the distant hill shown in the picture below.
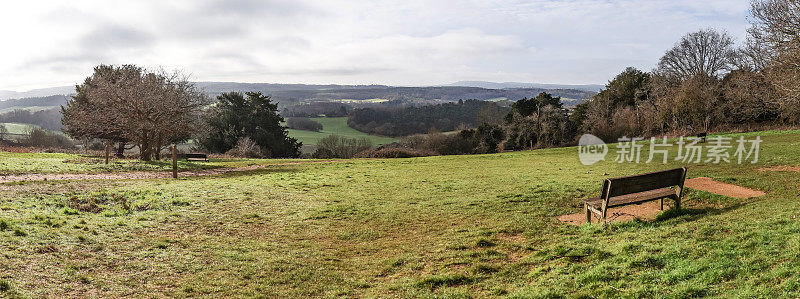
(290, 94)
(506, 85)
(53, 101)
(302, 92)
(42, 92)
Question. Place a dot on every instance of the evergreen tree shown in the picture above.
(255, 117)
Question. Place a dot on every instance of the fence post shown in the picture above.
(174, 162)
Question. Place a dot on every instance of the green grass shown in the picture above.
(335, 126)
(453, 226)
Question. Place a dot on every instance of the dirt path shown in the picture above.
(138, 175)
(710, 185)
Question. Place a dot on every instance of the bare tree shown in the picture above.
(776, 24)
(755, 55)
(129, 104)
(706, 52)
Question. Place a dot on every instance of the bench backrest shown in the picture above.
(196, 155)
(643, 182)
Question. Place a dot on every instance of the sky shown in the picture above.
(404, 42)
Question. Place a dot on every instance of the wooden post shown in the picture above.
(174, 162)
(108, 144)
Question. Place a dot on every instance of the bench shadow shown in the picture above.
(686, 214)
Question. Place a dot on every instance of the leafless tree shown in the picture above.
(776, 24)
(706, 52)
(130, 104)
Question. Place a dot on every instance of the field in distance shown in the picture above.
(335, 126)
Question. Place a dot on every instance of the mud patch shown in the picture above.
(710, 185)
(646, 211)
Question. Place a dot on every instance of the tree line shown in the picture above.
(129, 105)
(404, 121)
(705, 82)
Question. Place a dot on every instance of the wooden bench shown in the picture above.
(196, 157)
(637, 189)
(702, 137)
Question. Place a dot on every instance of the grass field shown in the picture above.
(18, 128)
(451, 226)
(335, 126)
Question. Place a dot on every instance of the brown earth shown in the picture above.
(137, 175)
(710, 185)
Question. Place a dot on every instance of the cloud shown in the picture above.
(412, 42)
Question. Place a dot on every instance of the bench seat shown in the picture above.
(637, 189)
(633, 198)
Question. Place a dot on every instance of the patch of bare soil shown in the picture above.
(710, 185)
(780, 168)
(646, 211)
(138, 175)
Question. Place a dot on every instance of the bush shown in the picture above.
(301, 123)
(246, 148)
(335, 146)
(42, 138)
(441, 144)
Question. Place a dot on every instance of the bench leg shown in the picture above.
(588, 213)
(677, 203)
(604, 216)
(662, 203)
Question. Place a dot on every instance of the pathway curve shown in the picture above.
(138, 175)
(710, 185)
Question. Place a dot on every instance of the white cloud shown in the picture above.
(413, 42)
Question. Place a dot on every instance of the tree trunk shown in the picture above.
(120, 150)
(157, 149)
(145, 148)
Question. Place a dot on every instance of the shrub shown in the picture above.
(42, 138)
(442, 144)
(247, 148)
(301, 123)
(335, 146)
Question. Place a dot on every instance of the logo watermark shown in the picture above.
(717, 149)
(591, 149)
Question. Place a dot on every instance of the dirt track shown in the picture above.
(138, 175)
(710, 185)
